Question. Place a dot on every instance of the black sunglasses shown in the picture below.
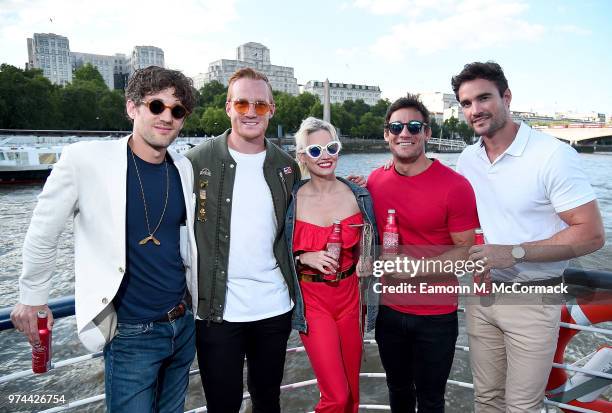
(414, 127)
(157, 107)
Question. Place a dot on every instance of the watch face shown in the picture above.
(518, 252)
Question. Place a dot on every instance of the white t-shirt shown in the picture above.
(256, 288)
(520, 194)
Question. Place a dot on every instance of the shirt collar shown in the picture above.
(516, 148)
(520, 141)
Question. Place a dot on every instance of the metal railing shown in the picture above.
(64, 307)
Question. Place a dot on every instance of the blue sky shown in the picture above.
(556, 54)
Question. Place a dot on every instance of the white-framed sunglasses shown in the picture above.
(315, 151)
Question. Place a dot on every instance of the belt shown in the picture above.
(176, 313)
(546, 282)
(319, 277)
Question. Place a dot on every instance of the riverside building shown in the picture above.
(145, 56)
(104, 64)
(255, 56)
(51, 53)
(442, 106)
(340, 92)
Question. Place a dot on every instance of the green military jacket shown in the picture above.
(214, 171)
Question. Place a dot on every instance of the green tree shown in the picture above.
(380, 108)
(29, 98)
(342, 119)
(214, 121)
(450, 127)
(88, 74)
(79, 107)
(209, 94)
(193, 123)
(357, 108)
(316, 110)
(435, 128)
(112, 115)
(4, 113)
(465, 132)
(370, 126)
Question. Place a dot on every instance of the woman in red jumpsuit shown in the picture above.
(332, 309)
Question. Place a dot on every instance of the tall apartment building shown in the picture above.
(51, 53)
(145, 56)
(340, 92)
(255, 56)
(104, 64)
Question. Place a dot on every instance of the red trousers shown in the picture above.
(333, 342)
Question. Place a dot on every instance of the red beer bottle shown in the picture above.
(482, 279)
(41, 353)
(333, 247)
(390, 237)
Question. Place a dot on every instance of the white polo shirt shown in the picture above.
(520, 194)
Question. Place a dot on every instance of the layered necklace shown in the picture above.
(151, 236)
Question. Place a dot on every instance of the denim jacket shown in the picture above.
(366, 284)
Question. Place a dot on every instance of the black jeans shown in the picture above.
(221, 350)
(417, 353)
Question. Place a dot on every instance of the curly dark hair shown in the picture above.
(490, 71)
(410, 101)
(154, 79)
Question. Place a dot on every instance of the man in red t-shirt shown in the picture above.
(436, 213)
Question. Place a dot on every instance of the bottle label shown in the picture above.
(334, 249)
(390, 243)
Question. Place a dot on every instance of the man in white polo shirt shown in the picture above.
(537, 210)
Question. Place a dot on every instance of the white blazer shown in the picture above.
(88, 183)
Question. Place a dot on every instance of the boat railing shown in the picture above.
(64, 307)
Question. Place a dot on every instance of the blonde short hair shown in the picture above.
(309, 126)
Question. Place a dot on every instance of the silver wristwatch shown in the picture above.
(518, 253)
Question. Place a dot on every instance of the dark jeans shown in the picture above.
(417, 354)
(147, 366)
(221, 350)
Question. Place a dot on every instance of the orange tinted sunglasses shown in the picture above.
(242, 106)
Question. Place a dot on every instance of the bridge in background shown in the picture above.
(579, 134)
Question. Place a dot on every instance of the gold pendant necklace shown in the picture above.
(151, 237)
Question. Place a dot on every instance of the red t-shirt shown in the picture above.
(428, 207)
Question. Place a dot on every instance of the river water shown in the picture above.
(86, 379)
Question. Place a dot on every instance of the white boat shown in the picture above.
(30, 159)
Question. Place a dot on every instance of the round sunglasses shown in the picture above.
(315, 151)
(157, 107)
(414, 127)
(242, 106)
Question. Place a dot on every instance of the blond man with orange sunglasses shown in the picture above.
(246, 290)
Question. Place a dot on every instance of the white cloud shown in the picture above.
(572, 29)
(402, 8)
(185, 30)
(348, 53)
(470, 24)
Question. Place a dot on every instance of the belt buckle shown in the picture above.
(339, 276)
(175, 312)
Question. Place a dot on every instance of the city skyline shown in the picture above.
(555, 54)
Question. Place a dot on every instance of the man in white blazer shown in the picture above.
(133, 209)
